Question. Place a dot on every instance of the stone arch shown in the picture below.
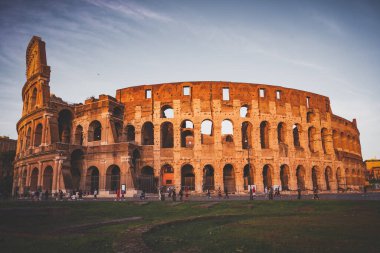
(167, 112)
(312, 139)
(208, 178)
(38, 135)
(146, 180)
(328, 178)
(28, 137)
(246, 134)
(284, 177)
(336, 139)
(24, 177)
(281, 132)
(117, 112)
(244, 111)
(188, 177)
(227, 131)
(229, 178)
(167, 175)
(315, 177)
(248, 175)
(113, 178)
(130, 133)
(48, 179)
(167, 135)
(310, 117)
(339, 178)
(147, 133)
(78, 140)
(207, 132)
(187, 134)
(264, 134)
(94, 131)
(76, 162)
(118, 131)
(92, 179)
(296, 135)
(65, 118)
(267, 176)
(33, 99)
(34, 180)
(300, 174)
(325, 140)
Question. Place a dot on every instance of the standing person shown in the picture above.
(299, 193)
(208, 194)
(219, 193)
(251, 193)
(117, 195)
(180, 193)
(271, 193)
(174, 195)
(162, 195)
(226, 193)
(46, 194)
(316, 193)
(95, 194)
(186, 193)
(60, 195)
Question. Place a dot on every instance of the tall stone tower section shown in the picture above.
(36, 90)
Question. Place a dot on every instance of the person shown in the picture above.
(187, 193)
(162, 195)
(251, 194)
(46, 194)
(299, 193)
(277, 192)
(271, 193)
(169, 192)
(219, 193)
(174, 195)
(316, 193)
(95, 194)
(208, 194)
(80, 194)
(226, 193)
(60, 195)
(117, 195)
(180, 193)
(142, 195)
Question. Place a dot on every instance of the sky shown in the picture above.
(329, 47)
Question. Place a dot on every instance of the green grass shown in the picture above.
(233, 226)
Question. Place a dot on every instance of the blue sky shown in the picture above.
(94, 46)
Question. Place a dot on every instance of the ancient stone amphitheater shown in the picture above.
(199, 135)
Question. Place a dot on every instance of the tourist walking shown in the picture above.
(299, 193)
(95, 194)
(226, 193)
(180, 193)
(174, 195)
(219, 193)
(251, 194)
(315, 193)
(208, 194)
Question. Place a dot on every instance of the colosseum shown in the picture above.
(199, 135)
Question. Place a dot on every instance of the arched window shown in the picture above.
(28, 137)
(312, 139)
(229, 178)
(48, 179)
(267, 176)
(227, 130)
(244, 111)
(130, 132)
(79, 135)
(248, 176)
(188, 177)
(38, 135)
(33, 99)
(167, 135)
(187, 134)
(113, 178)
(281, 132)
(284, 176)
(92, 179)
(34, 180)
(146, 180)
(208, 178)
(95, 131)
(264, 134)
(147, 134)
(207, 132)
(300, 174)
(167, 112)
(246, 135)
(65, 118)
(296, 135)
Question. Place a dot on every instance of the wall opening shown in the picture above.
(188, 177)
(264, 134)
(113, 178)
(38, 135)
(229, 178)
(130, 132)
(296, 135)
(246, 135)
(65, 118)
(147, 134)
(187, 134)
(95, 131)
(167, 174)
(244, 111)
(248, 176)
(281, 132)
(267, 176)
(207, 135)
(314, 177)
(34, 180)
(92, 179)
(227, 131)
(167, 135)
(300, 173)
(226, 94)
(33, 99)
(208, 178)
(78, 135)
(284, 176)
(167, 112)
(48, 179)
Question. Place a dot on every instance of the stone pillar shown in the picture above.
(259, 178)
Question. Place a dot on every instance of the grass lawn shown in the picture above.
(231, 226)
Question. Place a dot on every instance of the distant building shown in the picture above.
(373, 168)
(7, 155)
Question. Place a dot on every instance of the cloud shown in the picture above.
(131, 10)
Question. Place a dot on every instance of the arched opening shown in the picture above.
(244, 111)
(229, 178)
(135, 159)
(324, 135)
(353, 177)
(248, 176)
(207, 136)
(92, 180)
(300, 173)
(208, 178)
(167, 112)
(34, 180)
(267, 176)
(48, 179)
(328, 174)
(28, 137)
(246, 135)
(38, 135)
(113, 178)
(167, 135)
(284, 177)
(78, 135)
(147, 134)
(296, 135)
(312, 139)
(227, 131)
(65, 118)
(264, 134)
(146, 180)
(23, 180)
(187, 134)
(118, 131)
(188, 177)
(33, 99)
(310, 117)
(130, 132)
(77, 157)
(314, 177)
(281, 132)
(167, 173)
(117, 112)
(95, 131)
(340, 179)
